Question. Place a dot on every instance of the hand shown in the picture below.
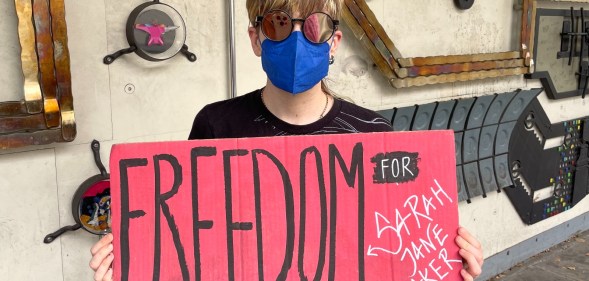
(471, 252)
(102, 258)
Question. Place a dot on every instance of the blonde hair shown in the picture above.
(304, 7)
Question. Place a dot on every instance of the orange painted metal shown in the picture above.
(437, 69)
(46, 113)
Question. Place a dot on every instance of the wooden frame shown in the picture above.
(45, 114)
(407, 72)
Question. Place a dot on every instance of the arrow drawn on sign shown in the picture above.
(372, 250)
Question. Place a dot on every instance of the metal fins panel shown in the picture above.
(460, 114)
(470, 146)
(486, 141)
(458, 147)
(423, 117)
(442, 116)
(473, 179)
(462, 195)
(503, 137)
(403, 118)
(497, 107)
(487, 170)
(518, 104)
(502, 172)
(479, 111)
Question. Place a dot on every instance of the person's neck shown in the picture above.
(300, 109)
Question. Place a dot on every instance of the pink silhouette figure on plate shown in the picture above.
(155, 32)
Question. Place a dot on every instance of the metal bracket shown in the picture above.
(568, 47)
(111, 58)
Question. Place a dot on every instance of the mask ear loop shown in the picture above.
(331, 57)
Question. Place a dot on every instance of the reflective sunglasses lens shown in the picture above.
(276, 25)
(318, 28)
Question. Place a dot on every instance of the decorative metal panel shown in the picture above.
(45, 114)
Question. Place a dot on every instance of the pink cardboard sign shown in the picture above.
(378, 206)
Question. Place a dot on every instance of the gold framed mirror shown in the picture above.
(45, 114)
(418, 71)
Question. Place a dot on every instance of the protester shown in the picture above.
(297, 41)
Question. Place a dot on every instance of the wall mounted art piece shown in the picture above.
(155, 32)
(418, 71)
(464, 4)
(500, 144)
(562, 48)
(45, 114)
(90, 203)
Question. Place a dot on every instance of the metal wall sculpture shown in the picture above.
(46, 113)
(155, 32)
(500, 145)
(562, 48)
(464, 4)
(407, 72)
(90, 203)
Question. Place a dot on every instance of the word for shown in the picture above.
(395, 167)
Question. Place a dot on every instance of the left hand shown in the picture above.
(471, 252)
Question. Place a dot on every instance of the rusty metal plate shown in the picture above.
(454, 77)
(45, 114)
(30, 66)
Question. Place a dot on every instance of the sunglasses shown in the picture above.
(277, 25)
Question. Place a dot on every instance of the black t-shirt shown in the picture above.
(246, 116)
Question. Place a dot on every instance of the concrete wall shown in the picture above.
(37, 183)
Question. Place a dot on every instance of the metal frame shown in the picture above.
(418, 71)
(544, 75)
(46, 113)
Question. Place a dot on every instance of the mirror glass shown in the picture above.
(423, 28)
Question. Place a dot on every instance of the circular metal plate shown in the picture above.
(157, 30)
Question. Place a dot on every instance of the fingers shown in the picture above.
(462, 232)
(465, 275)
(108, 275)
(104, 270)
(100, 256)
(473, 268)
(466, 241)
(471, 252)
(476, 252)
(107, 239)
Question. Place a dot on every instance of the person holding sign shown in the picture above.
(297, 41)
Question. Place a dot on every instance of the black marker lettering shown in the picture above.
(124, 165)
(289, 218)
(160, 204)
(303, 214)
(198, 225)
(356, 170)
(227, 154)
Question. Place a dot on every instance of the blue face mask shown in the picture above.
(295, 65)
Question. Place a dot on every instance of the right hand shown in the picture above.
(102, 257)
